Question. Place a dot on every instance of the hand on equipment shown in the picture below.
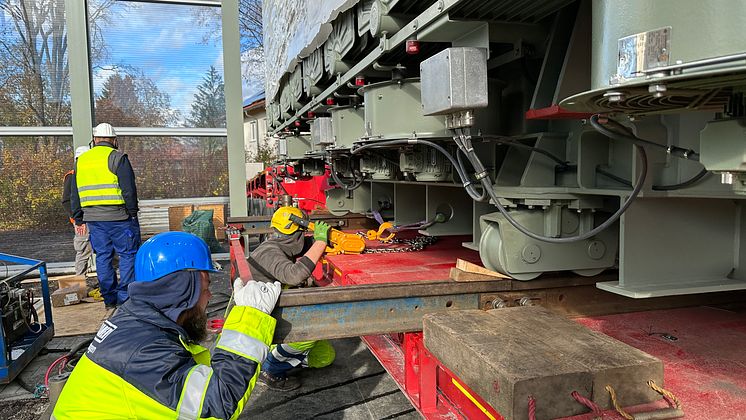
(80, 230)
(321, 231)
(258, 295)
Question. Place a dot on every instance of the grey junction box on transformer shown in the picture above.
(454, 80)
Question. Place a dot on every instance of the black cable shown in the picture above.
(516, 144)
(460, 170)
(614, 177)
(459, 152)
(676, 151)
(488, 186)
(277, 180)
(355, 183)
(691, 181)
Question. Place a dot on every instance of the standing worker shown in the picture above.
(81, 239)
(290, 259)
(145, 361)
(105, 200)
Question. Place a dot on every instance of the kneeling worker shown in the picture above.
(290, 259)
(145, 361)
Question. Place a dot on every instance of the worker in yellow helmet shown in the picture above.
(290, 257)
(104, 199)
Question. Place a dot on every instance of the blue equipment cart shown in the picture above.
(22, 337)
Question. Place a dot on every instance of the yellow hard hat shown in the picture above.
(281, 219)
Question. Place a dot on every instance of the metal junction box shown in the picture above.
(454, 80)
(321, 132)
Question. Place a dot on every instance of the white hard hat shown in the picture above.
(80, 150)
(104, 130)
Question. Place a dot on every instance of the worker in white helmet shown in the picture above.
(81, 240)
(105, 200)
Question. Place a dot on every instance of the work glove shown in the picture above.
(258, 295)
(81, 230)
(320, 231)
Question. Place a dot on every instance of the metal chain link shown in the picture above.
(415, 244)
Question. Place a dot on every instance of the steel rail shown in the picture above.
(352, 311)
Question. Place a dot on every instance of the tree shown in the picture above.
(133, 100)
(33, 57)
(265, 152)
(249, 23)
(208, 106)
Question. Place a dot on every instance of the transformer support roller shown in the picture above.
(504, 249)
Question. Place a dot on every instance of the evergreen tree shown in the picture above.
(208, 107)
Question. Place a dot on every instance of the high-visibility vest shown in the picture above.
(97, 185)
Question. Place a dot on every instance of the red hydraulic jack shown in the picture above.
(239, 265)
(431, 388)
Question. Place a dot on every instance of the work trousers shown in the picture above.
(283, 357)
(122, 237)
(83, 251)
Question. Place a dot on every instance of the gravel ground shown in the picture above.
(22, 409)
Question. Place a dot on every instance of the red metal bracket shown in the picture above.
(555, 112)
(239, 265)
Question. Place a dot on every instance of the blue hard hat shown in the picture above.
(170, 252)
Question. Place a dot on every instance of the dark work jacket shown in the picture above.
(275, 260)
(120, 165)
(142, 365)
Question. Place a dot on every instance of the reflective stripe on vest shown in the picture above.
(193, 393)
(97, 185)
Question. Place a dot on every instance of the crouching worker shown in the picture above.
(290, 258)
(145, 361)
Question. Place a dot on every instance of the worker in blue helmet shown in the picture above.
(146, 361)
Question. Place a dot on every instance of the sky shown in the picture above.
(165, 42)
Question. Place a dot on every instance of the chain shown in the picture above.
(412, 245)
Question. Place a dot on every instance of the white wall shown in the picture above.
(255, 131)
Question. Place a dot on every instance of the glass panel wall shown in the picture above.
(178, 167)
(34, 76)
(156, 64)
(31, 179)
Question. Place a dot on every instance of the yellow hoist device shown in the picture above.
(288, 219)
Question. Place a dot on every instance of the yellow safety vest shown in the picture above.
(97, 185)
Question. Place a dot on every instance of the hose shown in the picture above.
(676, 151)
(487, 184)
(672, 150)
(519, 145)
(355, 183)
(690, 181)
(467, 183)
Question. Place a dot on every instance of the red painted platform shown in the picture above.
(703, 352)
(703, 349)
(434, 263)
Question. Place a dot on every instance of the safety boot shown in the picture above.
(278, 383)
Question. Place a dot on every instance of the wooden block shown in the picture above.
(509, 354)
(463, 276)
(71, 281)
(176, 216)
(470, 267)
